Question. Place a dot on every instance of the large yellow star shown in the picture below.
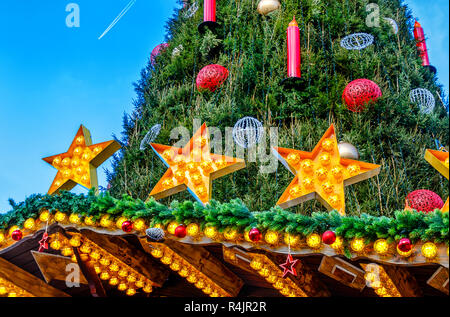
(439, 160)
(321, 174)
(79, 164)
(192, 167)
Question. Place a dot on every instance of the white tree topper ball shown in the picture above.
(357, 41)
(424, 99)
(247, 132)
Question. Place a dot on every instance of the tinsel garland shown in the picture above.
(415, 225)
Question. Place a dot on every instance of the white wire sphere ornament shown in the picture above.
(423, 98)
(150, 137)
(191, 10)
(393, 24)
(177, 50)
(357, 41)
(247, 132)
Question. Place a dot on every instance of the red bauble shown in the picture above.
(16, 235)
(255, 235)
(329, 237)
(359, 93)
(156, 51)
(127, 226)
(404, 245)
(180, 231)
(424, 200)
(211, 77)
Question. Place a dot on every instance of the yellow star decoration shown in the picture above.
(192, 167)
(321, 174)
(79, 164)
(439, 160)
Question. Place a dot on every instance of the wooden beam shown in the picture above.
(204, 262)
(439, 280)
(404, 281)
(307, 283)
(130, 255)
(27, 281)
(343, 272)
(53, 267)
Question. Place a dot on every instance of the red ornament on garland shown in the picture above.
(180, 231)
(359, 93)
(424, 200)
(211, 77)
(255, 235)
(404, 245)
(329, 237)
(156, 51)
(127, 226)
(16, 235)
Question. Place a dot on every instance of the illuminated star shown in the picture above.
(79, 164)
(192, 167)
(439, 160)
(321, 174)
(289, 266)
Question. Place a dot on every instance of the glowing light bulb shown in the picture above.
(202, 192)
(192, 278)
(79, 140)
(131, 292)
(179, 160)
(325, 159)
(272, 278)
(66, 173)
(44, 216)
(75, 219)
(291, 240)
(85, 248)
(256, 264)
(200, 284)
(429, 250)
(196, 179)
(139, 224)
(120, 221)
(381, 246)
(193, 229)
(95, 255)
(357, 244)
(264, 272)
(321, 173)
(97, 150)
(67, 251)
(271, 237)
(328, 145)
(172, 226)
(168, 155)
(337, 245)
(166, 259)
(206, 167)
(180, 176)
(293, 158)
(334, 200)
(78, 151)
(89, 221)
(123, 273)
(122, 287)
(337, 173)
(295, 191)
(307, 166)
(86, 155)
(2, 238)
(353, 169)
(446, 162)
(105, 276)
(106, 222)
(314, 241)
(114, 267)
(327, 187)
(308, 183)
(147, 288)
(29, 224)
(56, 245)
(75, 241)
(230, 234)
(210, 232)
(113, 281)
(105, 261)
(157, 253)
(184, 272)
(220, 164)
(167, 183)
(66, 162)
(60, 217)
(57, 161)
(175, 266)
(139, 283)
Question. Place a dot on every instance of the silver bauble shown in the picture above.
(267, 6)
(348, 151)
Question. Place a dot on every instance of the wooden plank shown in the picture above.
(130, 255)
(53, 267)
(403, 280)
(343, 272)
(204, 262)
(439, 280)
(27, 281)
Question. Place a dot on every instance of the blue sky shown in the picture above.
(53, 78)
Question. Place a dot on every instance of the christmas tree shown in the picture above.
(393, 132)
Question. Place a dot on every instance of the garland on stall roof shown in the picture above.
(414, 225)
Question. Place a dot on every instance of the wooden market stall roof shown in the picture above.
(226, 267)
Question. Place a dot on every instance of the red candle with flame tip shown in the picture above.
(421, 44)
(209, 11)
(293, 47)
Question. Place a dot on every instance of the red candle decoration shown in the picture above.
(293, 48)
(209, 11)
(419, 35)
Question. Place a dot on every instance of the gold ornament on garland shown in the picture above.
(267, 6)
(192, 167)
(439, 160)
(321, 174)
(79, 164)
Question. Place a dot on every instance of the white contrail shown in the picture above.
(121, 14)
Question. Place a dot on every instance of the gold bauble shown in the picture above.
(348, 151)
(267, 6)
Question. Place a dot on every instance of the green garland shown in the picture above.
(406, 224)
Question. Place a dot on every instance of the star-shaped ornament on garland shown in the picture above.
(192, 167)
(43, 243)
(289, 266)
(439, 160)
(79, 164)
(321, 174)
